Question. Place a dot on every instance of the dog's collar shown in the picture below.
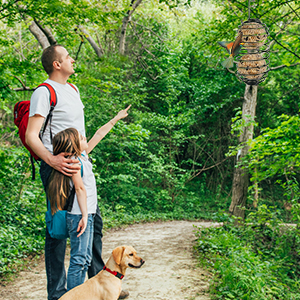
(117, 274)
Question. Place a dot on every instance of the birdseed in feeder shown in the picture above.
(254, 35)
(252, 66)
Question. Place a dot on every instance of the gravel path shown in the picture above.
(169, 273)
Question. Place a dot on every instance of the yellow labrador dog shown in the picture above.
(106, 285)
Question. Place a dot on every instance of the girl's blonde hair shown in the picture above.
(58, 189)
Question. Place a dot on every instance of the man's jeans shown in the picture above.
(81, 250)
(55, 251)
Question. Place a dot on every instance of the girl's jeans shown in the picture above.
(81, 250)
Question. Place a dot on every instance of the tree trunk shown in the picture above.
(241, 177)
(134, 4)
(125, 22)
(47, 33)
(39, 35)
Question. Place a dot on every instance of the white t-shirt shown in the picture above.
(67, 113)
(89, 182)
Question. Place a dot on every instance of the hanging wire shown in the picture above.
(249, 10)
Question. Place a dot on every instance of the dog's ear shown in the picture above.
(117, 254)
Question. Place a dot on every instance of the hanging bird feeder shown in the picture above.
(251, 49)
(253, 58)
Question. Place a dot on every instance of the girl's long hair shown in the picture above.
(58, 189)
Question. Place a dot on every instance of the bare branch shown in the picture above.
(22, 83)
(146, 67)
(206, 168)
(134, 4)
(293, 11)
(94, 45)
(230, 71)
(230, 7)
(282, 28)
(284, 66)
(274, 7)
(154, 33)
(24, 87)
(282, 17)
(285, 47)
(144, 47)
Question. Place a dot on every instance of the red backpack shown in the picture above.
(21, 115)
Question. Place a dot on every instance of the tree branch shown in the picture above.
(281, 17)
(284, 47)
(274, 7)
(205, 169)
(24, 87)
(154, 33)
(94, 45)
(293, 10)
(284, 66)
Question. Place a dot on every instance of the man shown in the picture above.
(68, 112)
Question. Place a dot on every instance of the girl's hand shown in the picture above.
(82, 226)
(123, 113)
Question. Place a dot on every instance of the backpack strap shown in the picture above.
(72, 85)
(33, 167)
(53, 102)
(81, 166)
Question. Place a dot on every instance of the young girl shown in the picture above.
(80, 218)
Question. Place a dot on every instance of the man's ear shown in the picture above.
(117, 254)
(56, 65)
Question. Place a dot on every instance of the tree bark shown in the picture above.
(99, 51)
(134, 4)
(241, 178)
(39, 35)
(47, 33)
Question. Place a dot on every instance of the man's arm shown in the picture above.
(58, 162)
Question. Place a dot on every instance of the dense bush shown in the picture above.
(23, 206)
(259, 260)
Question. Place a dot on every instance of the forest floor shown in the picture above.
(170, 272)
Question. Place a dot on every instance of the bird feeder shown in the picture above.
(253, 59)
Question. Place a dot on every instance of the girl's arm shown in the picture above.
(81, 198)
(103, 131)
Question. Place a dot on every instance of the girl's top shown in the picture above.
(89, 182)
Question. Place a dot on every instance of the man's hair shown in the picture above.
(49, 56)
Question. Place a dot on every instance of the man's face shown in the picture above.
(66, 61)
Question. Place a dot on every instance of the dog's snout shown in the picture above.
(142, 261)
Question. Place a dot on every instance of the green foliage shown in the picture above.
(22, 210)
(276, 151)
(254, 261)
(167, 160)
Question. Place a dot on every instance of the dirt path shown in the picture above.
(170, 271)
